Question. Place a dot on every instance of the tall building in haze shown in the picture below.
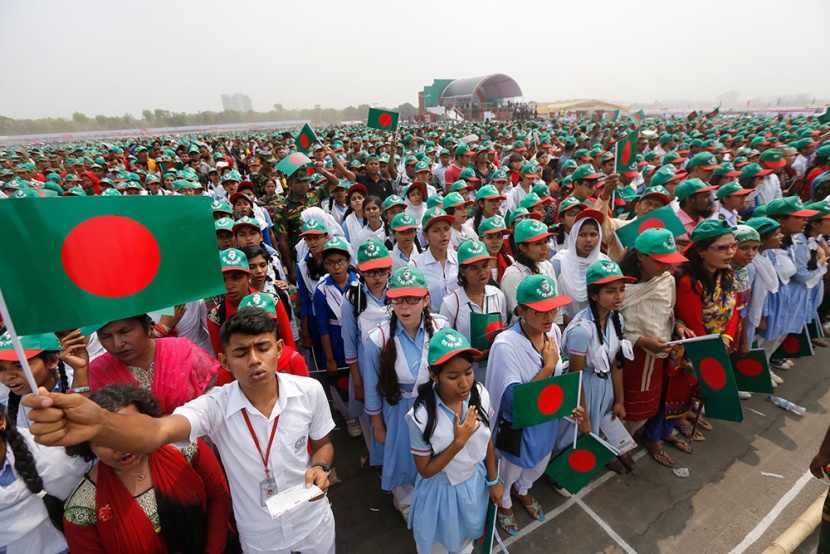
(236, 102)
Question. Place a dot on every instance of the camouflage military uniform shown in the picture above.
(287, 218)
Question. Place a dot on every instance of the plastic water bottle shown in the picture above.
(787, 405)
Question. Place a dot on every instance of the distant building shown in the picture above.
(487, 97)
(236, 103)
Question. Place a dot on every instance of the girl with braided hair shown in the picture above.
(596, 346)
(396, 364)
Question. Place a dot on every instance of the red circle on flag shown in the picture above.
(492, 328)
(304, 141)
(343, 383)
(626, 154)
(582, 461)
(297, 159)
(652, 223)
(713, 373)
(385, 120)
(790, 345)
(111, 256)
(750, 367)
(550, 399)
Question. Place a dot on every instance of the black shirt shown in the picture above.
(381, 188)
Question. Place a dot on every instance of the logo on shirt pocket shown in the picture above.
(299, 444)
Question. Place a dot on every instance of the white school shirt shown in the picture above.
(304, 414)
(457, 308)
(192, 325)
(440, 280)
(514, 274)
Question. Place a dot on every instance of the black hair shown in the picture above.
(48, 356)
(379, 203)
(747, 182)
(515, 157)
(426, 396)
(315, 270)
(630, 264)
(699, 276)
(388, 387)
(593, 290)
(24, 461)
(520, 256)
(145, 320)
(249, 320)
(349, 209)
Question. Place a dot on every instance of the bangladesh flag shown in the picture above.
(662, 218)
(796, 345)
(292, 163)
(613, 116)
(815, 329)
(483, 329)
(484, 544)
(541, 401)
(825, 117)
(575, 467)
(383, 120)
(597, 116)
(717, 382)
(104, 258)
(626, 152)
(306, 139)
(752, 372)
(638, 117)
(165, 166)
(714, 112)
(692, 116)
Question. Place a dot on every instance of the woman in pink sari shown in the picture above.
(174, 369)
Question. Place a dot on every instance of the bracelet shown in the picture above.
(493, 482)
(727, 336)
(78, 390)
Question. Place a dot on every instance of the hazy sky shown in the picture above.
(110, 57)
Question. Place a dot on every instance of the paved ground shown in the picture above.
(726, 505)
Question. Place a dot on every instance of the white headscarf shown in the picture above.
(765, 283)
(573, 268)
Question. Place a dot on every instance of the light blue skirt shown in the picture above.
(446, 514)
(398, 464)
(599, 400)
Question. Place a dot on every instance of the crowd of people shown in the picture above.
(408, 282)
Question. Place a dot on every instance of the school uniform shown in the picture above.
(351, 227)
(398, 259)
(450, 507)
(306, 286)
(457, 237)
(441, 280)
(514, 274)
(412, 369)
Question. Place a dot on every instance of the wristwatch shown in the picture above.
(326, 467)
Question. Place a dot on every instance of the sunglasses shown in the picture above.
(724, 247)
(377, 272)
(411, 300)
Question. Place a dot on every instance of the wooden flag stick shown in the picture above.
(18, 348)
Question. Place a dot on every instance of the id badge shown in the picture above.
(267, 489)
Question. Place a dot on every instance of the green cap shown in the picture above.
(568, 165)
(372, 254)
(435, 201)
(790, 206)
(32, 345)
(314, 227)
(260, 300)
(657, 192)
(605, 271)
(499, 175)
(434, 215)
(454, 200)
(672, 158)
(586, 172)
(246, 222)
(571, 202)
(221, 206)
(530, 230)
(447, 343)
(704, 160)
(110, 192)
(468, 174)
(691, 187)
(407, 281)
(730, 189)
(530, 200)
(772, 158)
(337, 243)
(753, 170)
(393, 200)
(660, 245)
(234, 260)
(763, 225)
(726, 169)
(745, 233)
(471, 251)
(663, 176)
(223, 224)
(75, 191)
(422, 166)
(538, 292)
(461, 149)
(489, 191)
(402, 222)
(531, 169)
(711, 228)
(495, 224)
(459, 185)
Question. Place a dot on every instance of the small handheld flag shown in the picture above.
(306, 139)
(752, 372)
(662, 218)
(717, 382)
(574, 467)
(626, 152)
(383, 120)
(796, 345)
(541, 401)
(639, 116)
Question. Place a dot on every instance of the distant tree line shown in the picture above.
(164, 118)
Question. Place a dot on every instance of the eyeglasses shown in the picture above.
(539, 313)
(411, 300)
(724, 247)
(336, 263)
(377, 272)
(313, 238)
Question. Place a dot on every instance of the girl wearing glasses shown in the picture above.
(364, 308)
(309, 272)
(706, 305)
(396, 364)
(527, 351)
(328, 301)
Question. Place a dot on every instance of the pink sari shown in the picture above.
(181, 372)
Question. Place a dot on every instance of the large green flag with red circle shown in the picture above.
(796, 345)
(752, 371)
(639, 116)
(626, 152)
(72, 261)
(714, 374)
(306, 139)
(383, 120)
(573, 468)
(661, 218)
(545, 400)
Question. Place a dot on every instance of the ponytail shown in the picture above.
(619, 356)
(388, 386)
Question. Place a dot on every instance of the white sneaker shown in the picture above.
(743, 395)
(404, 510)
(789, 364)
(353, 427)
(775, 378)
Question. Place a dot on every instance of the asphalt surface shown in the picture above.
(746, 485)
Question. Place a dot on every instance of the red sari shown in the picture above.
(181, 372)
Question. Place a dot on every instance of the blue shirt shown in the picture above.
(353, 347)
(325, 317)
